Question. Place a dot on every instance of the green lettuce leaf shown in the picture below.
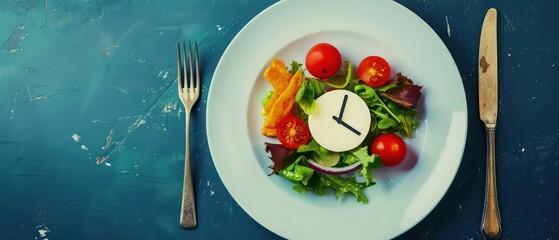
(307, 107)
(409, 124)
(367, 162)
(295, 66)
(386, 122)
(406, 116)
(343, 185)
(310, 90)
(298, 174)
(300, 188)
(342, 80)
(377, 106)
(312, 146)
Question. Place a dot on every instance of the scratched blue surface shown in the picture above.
(92, 132)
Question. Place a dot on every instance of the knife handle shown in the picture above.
(491, 221)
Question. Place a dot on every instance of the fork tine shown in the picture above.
(185, 83)
(197, 69)
(191, 78)
(179, 72)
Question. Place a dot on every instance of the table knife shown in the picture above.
(488, 107)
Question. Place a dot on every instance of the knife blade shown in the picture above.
(488, 108)
(488, 98)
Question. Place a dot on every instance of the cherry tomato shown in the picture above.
(390, 148)
(323, 61)
(374, 71)
(292, 132)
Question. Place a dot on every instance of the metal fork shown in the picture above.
(189, 91)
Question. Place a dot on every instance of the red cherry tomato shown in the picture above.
(390, 148)
(374, 71)
(292, 132)
(323, 61)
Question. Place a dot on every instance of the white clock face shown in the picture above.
(340, 121)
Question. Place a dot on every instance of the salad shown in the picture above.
(339, 150)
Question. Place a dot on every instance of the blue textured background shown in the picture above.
(105, 71)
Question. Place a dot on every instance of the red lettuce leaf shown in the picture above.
(280, 155)
(406, 94)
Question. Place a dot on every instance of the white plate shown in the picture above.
(403, 195)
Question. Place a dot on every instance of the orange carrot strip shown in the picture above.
(283, 105)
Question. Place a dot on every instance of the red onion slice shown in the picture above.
(334, 170)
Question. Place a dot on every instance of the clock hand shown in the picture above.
(350, 128)
(338, 120)
(343, 107)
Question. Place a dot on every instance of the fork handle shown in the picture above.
(491, 220)
(188, 206)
